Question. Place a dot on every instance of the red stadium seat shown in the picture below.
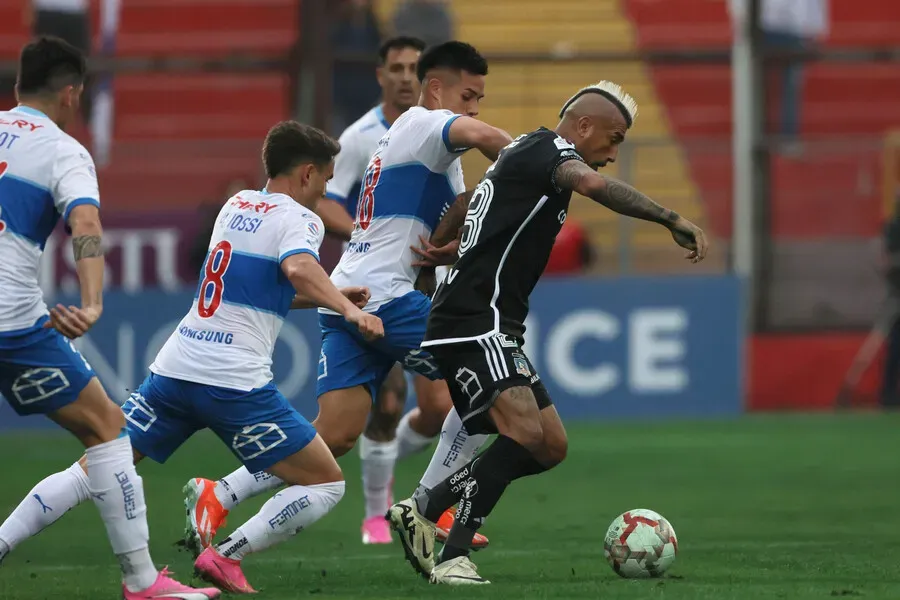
(840, 100)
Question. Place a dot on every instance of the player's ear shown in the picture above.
(585, 127)
(306, 172)
(66, 97)
(434, 87)
(71, 94)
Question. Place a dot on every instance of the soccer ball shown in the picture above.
(640, 543)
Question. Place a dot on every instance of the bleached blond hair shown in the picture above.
(613, 92)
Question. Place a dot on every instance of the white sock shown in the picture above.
(45, 503)
(118, 492)
(289, 512)
(410, 441)
(455, 448)
(236, 487)
(377, 460)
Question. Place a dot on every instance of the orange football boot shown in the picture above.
(205, 514)
(445, 523)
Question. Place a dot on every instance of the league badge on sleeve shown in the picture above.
(521, 365)
(312, 233)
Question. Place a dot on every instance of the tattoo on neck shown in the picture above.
(87, 246)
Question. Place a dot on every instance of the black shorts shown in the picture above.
(478, 372)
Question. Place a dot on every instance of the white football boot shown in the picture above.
(457, 571)
(416, 534)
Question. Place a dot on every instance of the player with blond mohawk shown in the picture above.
(476, 328)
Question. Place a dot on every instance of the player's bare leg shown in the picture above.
(378, 454)
(315, 485)
(342, 417)
(118, 491)
(555, 446)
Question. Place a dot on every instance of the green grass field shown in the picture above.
(764, 507)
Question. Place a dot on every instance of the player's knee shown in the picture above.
(556, 449)
(529, 434)
(332, 473)
(436, 402)
(93, 418)
(383, 422)
(342, 418)
(113, 421)
(324, 470)
(516, 415)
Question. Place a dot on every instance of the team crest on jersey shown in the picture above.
(521, 365)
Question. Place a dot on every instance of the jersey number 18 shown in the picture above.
(366, 206)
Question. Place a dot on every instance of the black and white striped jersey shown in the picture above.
(514, 215)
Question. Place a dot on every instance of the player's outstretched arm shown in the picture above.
(87, 245)
(311, 281)
(617, 195)
(466, 132)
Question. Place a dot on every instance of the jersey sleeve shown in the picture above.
(455, 176)
(73, 181)
(301, 232)
(552, 152)
(432, 130)
(349, 167)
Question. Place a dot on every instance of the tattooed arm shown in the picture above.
(87, 245)
(616, 195)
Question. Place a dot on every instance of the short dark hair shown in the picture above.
(458, 56)
(400, 42)
(290, 143)
(48, 64)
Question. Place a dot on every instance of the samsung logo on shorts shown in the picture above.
(215, 337)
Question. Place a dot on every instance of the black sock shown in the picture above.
(432, 503)
(504, 461)
(533, 467)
